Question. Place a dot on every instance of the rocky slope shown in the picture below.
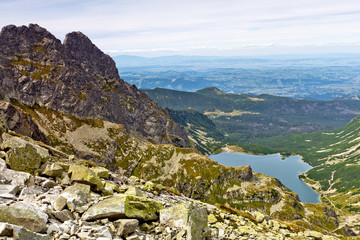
(57, 196)
(76, 78)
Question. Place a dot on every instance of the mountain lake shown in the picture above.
(286, 170)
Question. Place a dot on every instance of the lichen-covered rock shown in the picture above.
(101, 172)
(126, 226)
(23, 155)
(73, 197)
(53, 170)
(135, 191)
(83, 174)
(111, 188)
(22, 217)
(124, 206)
(188, 216)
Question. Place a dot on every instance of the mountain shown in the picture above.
(246, 117)
(83, 154)
(76, 78)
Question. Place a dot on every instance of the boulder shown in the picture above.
(101, 172)
(22, 217)
(124, 206)
(63, 215)
(53, 170)
(19, 233)
(135, 191)
(110, 188)
(23, 155)
(8, 191)
(15, 177)
(6, 230)
(73, 197)
(126, 226)
(28, 206)
(189, 216)
(82, 174)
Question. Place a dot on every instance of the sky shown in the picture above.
(198, 27)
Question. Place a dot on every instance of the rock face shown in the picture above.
(18, 121)
(76, 78)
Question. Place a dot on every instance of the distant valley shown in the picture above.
(242, 118)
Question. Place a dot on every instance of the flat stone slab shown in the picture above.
(124, 206)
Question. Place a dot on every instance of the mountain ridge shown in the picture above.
(77, 78)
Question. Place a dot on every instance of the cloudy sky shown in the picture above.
(198, 27)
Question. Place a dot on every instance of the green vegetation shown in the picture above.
(243, 118)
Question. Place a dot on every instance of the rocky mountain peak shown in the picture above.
(77, 78)
(91, 57)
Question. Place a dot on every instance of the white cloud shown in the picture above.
(159, 26)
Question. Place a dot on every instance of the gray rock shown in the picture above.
(6, 230)
(22, 217)
(53, 170)
(9, 191)
(64, 215)
(48, 183)
(122, 205)
(126, 226)
(28, 206)
(18, 121)
(73, 196)
(52, 228)
(188, 216)
(19, 233)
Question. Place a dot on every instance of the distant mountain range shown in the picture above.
(321, 78)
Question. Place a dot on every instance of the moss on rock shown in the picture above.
(122, 205)
(82, 174)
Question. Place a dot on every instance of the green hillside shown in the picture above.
(335, 155)
(244, 117)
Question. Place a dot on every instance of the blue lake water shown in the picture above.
(286, 170)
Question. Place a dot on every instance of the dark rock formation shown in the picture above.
(77, 78)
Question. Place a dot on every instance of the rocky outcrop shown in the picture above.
(76, 78)
(23, 155)
(17, 120)
(139, 210)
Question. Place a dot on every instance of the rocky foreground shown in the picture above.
(47, 194)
